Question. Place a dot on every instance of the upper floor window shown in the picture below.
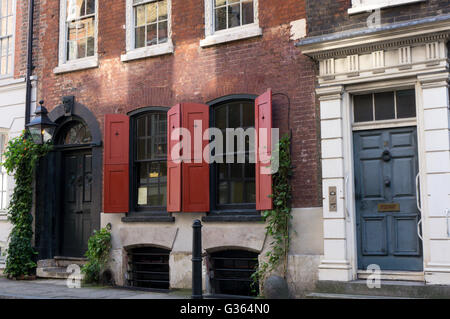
(367, 5)
(80, 24)
(6, 36)
(150, 22)
(230, 20)
(78, 35)
(232, 13)
(148, 28)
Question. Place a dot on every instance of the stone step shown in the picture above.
(318, 295)
(66, 261)
(54, 273)
(402, 289)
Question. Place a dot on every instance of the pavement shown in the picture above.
(57, 289)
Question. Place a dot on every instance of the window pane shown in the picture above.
(90, 46)
(237, 192)
(152, 11)
(90, 7)
(140, 15)
(223, 171)
(81, 48)
(162, 10)
(221, 18)
(221, 117)
(234, 15)
(223, 193)
(162, 32)
(234, 115)
(250, 193)
(384, 106)
(140, 37)
(406, 104)
(220, 2)
(236, 170)
(152, 37)
(363, 108)
(247, 12)
(248, 114)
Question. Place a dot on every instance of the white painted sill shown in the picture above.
(381, 4)
(233, 34)
(3, 216)
(150, 51)
(77, 65)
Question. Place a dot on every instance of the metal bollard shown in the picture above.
(197, 292)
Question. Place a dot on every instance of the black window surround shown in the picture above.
(143, 213)
(230, 212)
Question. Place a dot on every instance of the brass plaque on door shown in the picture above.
(391, 207)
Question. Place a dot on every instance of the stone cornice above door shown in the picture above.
(389, 36)
(398, 50)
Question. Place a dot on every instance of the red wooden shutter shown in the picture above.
(173, 168)
(196, 173)
(263, 120)
(116, 164)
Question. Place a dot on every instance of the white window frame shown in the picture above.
(78, 64)
(213, 37)
(148, 51)
(13, 40)
(359, 6)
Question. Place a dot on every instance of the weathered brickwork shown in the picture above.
(328, 16)
(194, 74)
(20, 41)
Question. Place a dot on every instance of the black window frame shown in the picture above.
(157, 214)
(229, 212)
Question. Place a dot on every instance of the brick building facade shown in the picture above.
(190, 61)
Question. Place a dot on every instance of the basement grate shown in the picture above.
(231, 271)
(148, 267)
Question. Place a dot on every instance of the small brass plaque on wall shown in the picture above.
(391, 207)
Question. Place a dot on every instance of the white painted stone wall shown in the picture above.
(12, 121)
(305, 253)
(435, 177)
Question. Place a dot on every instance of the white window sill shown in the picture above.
(150, 51)
(233, 34)
(77, 65)
(381, 4)
(3, 216)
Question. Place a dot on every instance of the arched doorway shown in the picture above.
(69, 185)
(74, 140)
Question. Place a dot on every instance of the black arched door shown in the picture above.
(76, 180)
(77, 194)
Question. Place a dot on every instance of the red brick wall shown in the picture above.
(20, 41)
(194, 74)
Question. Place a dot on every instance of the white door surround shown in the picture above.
(429, 75)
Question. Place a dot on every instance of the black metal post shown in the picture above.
(197, 292)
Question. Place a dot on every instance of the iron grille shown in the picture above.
(149, 268)
(231, 272)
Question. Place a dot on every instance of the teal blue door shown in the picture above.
(386, 166)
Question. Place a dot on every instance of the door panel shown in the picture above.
(76, 219)
(386, 164)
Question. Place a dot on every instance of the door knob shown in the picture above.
(387, 182)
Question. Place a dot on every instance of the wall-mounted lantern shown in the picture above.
(41, 127)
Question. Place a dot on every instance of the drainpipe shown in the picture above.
(29, 62)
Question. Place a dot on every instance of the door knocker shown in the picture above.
(386, 156)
